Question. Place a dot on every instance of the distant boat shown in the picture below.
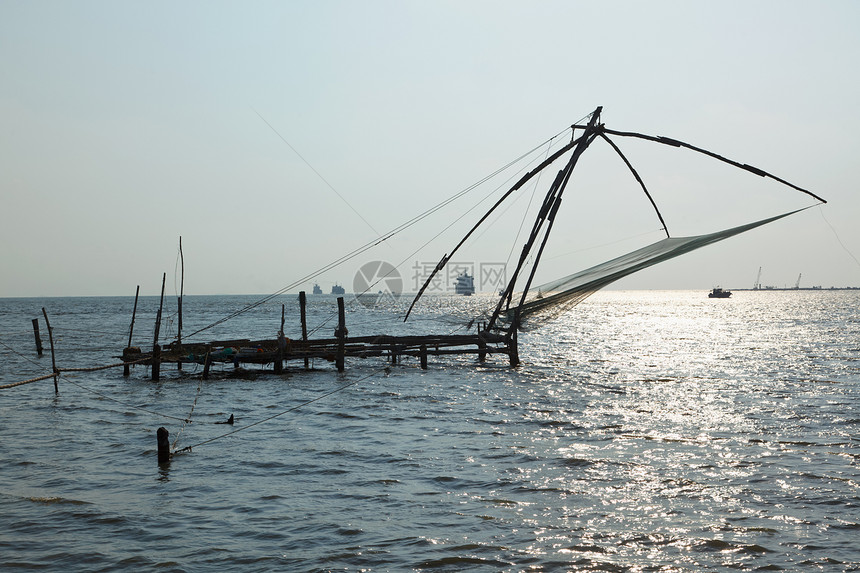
(337, 289)
(719, 293)
(465, 285)
(317, 289)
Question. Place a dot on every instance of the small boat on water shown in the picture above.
(719, 293)
(337, 289)
(465, 284)
(317, 289)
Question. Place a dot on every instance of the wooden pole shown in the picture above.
(552, 200)
(303, 313)
(179, 305)
(156, 363)
(282, 344)
(513, 351)
(546, 162)
(156, 349)
(36, 333)
(163, 445)
(424, 357)
(207, 362)
(53, 357)
(125, 369)
(341, 334)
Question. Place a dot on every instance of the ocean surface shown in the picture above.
(643, 431)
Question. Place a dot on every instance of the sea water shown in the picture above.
(643, 431)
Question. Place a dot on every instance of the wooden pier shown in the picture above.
(338, 349)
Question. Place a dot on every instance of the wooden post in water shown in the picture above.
(156, 349)
(482, 345)
(163, 437)
(513, 351)
(424, 357)
(303, 313)
(156, 363)
(207, 362)
(341, 334)
(282, 345)
(125, 369)
(53, 357)
(179, 303)
(36, 333)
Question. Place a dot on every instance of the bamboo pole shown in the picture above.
(53, 356)
(36, 334)
(125, 369)
(546, 162)
(546, 214)
(156, 349)
(179, 305)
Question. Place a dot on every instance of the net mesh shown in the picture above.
(554, 298)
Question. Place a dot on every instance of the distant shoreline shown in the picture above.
(768, 289)
(451, 294)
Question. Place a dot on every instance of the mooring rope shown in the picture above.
(21, 383)
(59, 374)
(61, 370)
(95, 368)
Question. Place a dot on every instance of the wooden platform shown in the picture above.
(247, 351)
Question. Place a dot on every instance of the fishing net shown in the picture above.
(552, 299)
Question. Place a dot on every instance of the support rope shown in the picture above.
(21, 383)
(381, 239)
(188, 418)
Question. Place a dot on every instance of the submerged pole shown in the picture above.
(163, 437)
(53, 357)
(36, 334)
(125, 369)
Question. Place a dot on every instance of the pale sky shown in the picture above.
(125, 125)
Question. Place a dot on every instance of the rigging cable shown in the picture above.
(318, 174)
(272, 417)
(382, 238)
(433, 238)
(838, 239)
